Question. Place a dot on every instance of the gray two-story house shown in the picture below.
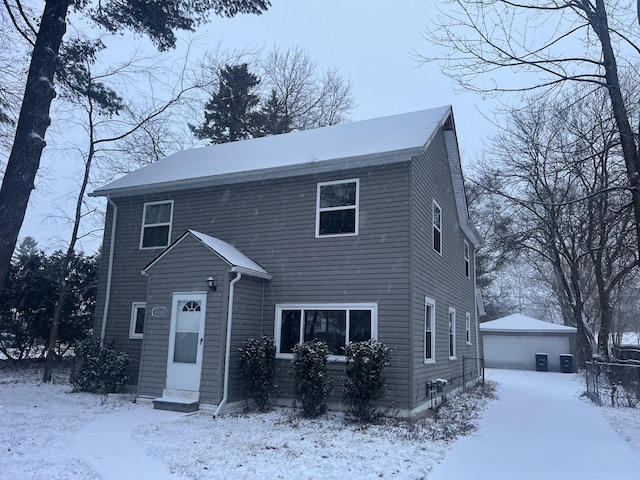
(341, 233)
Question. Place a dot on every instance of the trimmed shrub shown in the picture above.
(258, 366)
(364, 382)
(311, 383)
(98, 369)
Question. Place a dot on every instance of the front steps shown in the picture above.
(178, 401)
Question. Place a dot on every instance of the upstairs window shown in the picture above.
(467, 259)
(437, 227)
(337, 208)
(136, 328)
(156, 224)
(335, 325)
(429, 330)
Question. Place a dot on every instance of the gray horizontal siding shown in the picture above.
(440, 277)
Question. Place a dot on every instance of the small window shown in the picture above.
(467, 327)
(337, 208)
(337, 326)
(437, 227)
(156, 224)
(467, 259)
(452, 334)
(429, 330)
(138, 311)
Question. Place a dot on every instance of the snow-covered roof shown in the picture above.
(238, 261)
(350, 145)
(517, 322)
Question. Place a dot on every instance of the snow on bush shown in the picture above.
(311, 382)
(364, 382)
(258, 366)
(99, 369)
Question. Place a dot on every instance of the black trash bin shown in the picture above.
(566, 363)
(542, 364)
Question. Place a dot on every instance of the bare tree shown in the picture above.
(548, 43)
(560, 168)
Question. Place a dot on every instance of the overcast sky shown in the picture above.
(373, 43)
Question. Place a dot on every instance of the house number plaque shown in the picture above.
(159, 311)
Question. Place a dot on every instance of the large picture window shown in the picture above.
(136, 327)
(429, 330)
(437, 227)
(156, 224)
(336, 325)
(337, 208)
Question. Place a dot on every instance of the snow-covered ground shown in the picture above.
(46, 432)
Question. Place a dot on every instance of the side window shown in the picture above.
(429, 330)
(468, 328)
(337, 208)
(437, 227)
(138, 311)
(467, 259)
(452, 333)
(156, 224)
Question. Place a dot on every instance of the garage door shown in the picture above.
(518, 351)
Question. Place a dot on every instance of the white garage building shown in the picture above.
(513, 342)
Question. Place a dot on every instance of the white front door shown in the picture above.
(186, 341)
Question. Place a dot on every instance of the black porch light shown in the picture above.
(211, 283)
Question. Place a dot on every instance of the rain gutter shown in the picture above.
(107, 299)
(227, 354)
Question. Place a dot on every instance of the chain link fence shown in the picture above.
(615, 384)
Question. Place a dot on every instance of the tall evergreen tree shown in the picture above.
(232, 113)
(158, 20)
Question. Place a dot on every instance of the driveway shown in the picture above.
(540, 429)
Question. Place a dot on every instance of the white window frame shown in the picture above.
(135, 306)
(163, 224)
(355, 207)
(322, 306)
(467, 259)
(430, 302)
(435, 227)
(452, 334)
(467, 327)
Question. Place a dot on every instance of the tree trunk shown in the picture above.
(33, 122)
(598, 20)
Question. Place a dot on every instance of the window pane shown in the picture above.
(359, 325)
(427, 342)
(139, 327)
(428, 317)
(338, 221)
(437, 217)
(338, 195)
(330, 326)
(186, 347)
(289, 330)
(157, 213)
(437, 241)
(155, 236)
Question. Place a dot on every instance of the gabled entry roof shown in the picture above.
(237, 260)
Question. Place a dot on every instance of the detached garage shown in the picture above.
(514, 341)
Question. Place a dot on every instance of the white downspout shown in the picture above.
(107, 298)
(227, 354)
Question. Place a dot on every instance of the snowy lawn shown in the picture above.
(41, 426)
(40, 423)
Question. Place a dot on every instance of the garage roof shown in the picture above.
(518, 322)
